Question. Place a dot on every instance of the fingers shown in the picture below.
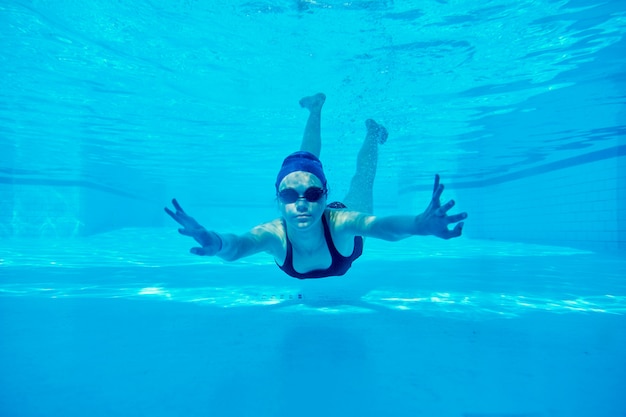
(177, 206)
(438, 190)
(198, 251)
(441, 211)
(457, 217)
(179, 210)
(436, 183)
(458, 229)
(186, 232)
(456, 232)
(190, 227)
(173, 216)
(447, 206)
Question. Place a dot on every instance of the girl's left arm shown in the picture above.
(433, 221)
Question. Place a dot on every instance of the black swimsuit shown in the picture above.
(340, 264)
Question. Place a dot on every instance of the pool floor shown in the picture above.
(464, 335)
(121, 357)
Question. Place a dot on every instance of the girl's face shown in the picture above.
(301, 199)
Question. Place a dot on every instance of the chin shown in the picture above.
(303, 223)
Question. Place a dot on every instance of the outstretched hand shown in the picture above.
(435, 220)
(210, 241)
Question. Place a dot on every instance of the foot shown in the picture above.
(314, 102)
(376, 130)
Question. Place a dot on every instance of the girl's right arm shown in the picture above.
(230, 247)
(262, 238)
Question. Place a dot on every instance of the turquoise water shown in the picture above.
(453, 329)
(110, 109)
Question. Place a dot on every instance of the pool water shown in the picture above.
(108, 110)
(464, 328)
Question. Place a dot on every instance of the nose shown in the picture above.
(302, 205)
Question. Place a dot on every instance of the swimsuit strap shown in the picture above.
(334, 253)
(289, 256)
(327, 236)
(339, 265)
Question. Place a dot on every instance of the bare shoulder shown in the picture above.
(349, 222)
(272, 229)
(270, 234)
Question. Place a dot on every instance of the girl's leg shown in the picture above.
(312, 138)
(360, 195)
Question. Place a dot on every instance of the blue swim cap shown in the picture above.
(301, 161)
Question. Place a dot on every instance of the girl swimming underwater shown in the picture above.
(312, 238)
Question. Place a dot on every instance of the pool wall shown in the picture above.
(581, 206)
(580, 202)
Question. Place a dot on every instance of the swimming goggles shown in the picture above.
(312, 195)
